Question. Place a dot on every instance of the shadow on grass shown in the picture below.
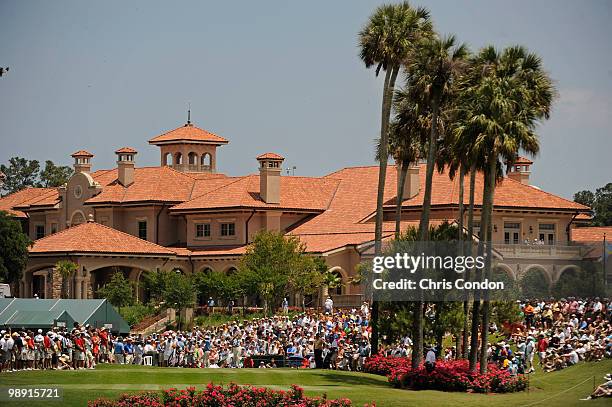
(351, 379)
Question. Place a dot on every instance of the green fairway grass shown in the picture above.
(563, 388)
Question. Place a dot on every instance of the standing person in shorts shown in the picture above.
(104, 345)
(119, 351)
(39, 350)
(5, 354)
(90, 361)
(95, 347)
(48, 350)
(79, 351)
(542, 346)
(57, 350)
(30, 351)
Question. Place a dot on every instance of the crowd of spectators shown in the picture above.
(332, 339)
(80, 347)
(561, 332)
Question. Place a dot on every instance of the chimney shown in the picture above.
(125, 165)
(412, 182)
(269, 177)
(82, 161)
(519, 170)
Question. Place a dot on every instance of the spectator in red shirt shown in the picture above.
(542, 346)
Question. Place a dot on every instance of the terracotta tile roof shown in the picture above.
(210, 182)
(299, 193)
(322, 243)
(326, 241)
(354, 200)
(270, 156)
(93, 237)
(523, 160)
(188, 132)
(210, 251)
(9, 202)
(509, 193)
(82, 153)
(127, 150)
(591, 234)
(151, 184)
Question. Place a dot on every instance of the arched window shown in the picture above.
(193, 158)
(168, 159)
(231, 270)
(178, 159)
(77, 218)
(205, 160)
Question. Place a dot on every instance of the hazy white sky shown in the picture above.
(273, 76)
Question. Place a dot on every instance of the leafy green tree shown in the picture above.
(155, 282)
(269, 265)
(13, 249)
(600, 202)
(308, 278)
(386, 42)
(585, 197)
(220, 285)
(66, 269)
(172, 289)
(118, 291)
(19, 174)
(585, 281)
(54, 175)
(534, 285)
(179, 293)
(505, 311)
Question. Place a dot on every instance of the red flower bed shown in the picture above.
(447, 376)
(219, 396)
(382, 365)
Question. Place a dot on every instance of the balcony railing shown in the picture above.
(192, 167)
(540, 250)
(348, 300)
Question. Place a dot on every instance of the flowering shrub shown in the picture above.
(447, 376)
(383, 366)
(219, 396)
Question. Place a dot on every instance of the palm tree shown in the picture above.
(66, 268)
(510, 95)
(386, 42)
(432, 73)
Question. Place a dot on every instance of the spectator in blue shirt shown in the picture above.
(119, 351)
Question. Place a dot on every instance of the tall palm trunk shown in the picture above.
(470, 232)
(390, 77)
(431, 157)
(486, 308)
(400, 196)
(476, 311)
(418, 322)
(461, 206)
(460, 216)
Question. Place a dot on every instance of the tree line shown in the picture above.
(601, 203)
(20, 173)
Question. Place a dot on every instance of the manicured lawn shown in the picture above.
(559, 388)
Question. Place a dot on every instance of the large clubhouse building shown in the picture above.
(184, 215)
